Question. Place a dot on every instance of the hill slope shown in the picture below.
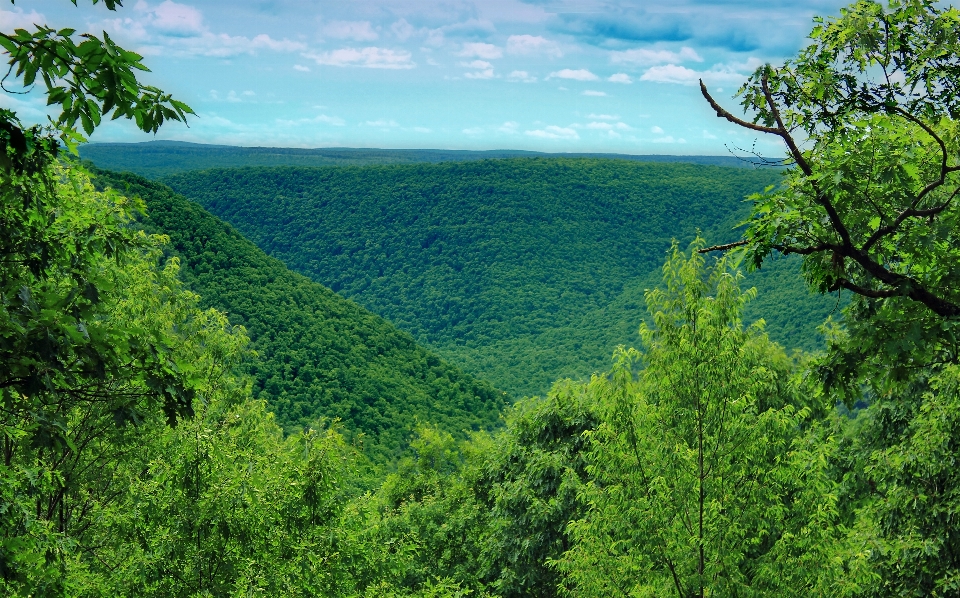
(519, 270)
(320, 355)
(160, 158)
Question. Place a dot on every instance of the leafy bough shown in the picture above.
(868, 113)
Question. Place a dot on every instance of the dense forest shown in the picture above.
(181, 415)
(154, 159)
(320, 357)
(523, 271)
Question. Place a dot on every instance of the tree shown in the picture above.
(868, 113)
(95, 346)
(88, 78)
(530, 482)
(696, 479)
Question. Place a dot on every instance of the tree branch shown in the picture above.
(737, 121)
(783, 133)
(723, 247)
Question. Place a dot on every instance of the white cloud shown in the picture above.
(656, 130)
(681, 75)
(321, 119)
(532, 44)
(28, 109)
(382, 123)
(481, 50)
(301, 68)
(708, 135)
(477, 64)
(484, 74)
(484, 69)
(232, 96)
(17, 19)
(371, 57)
(620, 78)
(421, 130)
(402, 30)
(604, 116)
(331, 120)
(595, 93)
(553, 132)
(577, 75)
(359, 31)
(605, 126)
(669, 139)
(175, 19)
(473, 131)
(178, 29)
(647, 57)
(522, 76)
(280, 45)
(510, 127)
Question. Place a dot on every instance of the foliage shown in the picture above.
(100, 347)
(86, 79)
(896, 460)
(690, 489)
(870, 201)
(522, 271)
(100, 495)
(492, 511)
(530, 483)
(320, 358)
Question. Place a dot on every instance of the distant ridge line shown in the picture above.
(160, 158)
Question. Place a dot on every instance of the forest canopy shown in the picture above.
(703, 461)
(522, 271)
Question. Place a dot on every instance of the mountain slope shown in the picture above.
(321, 356)
(519, 270)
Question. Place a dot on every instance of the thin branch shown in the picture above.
(783, 133)
(724, 247)
(843, 283)
(737, 121)
(908, 213)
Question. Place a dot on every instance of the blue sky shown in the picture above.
(549, 75)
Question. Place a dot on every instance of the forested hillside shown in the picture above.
(522, 271)
(160, 158)
(319, 356)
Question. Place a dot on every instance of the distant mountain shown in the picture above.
(155, 159)
(320, 357)
(519, 270)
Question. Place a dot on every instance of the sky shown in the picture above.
(611, 76)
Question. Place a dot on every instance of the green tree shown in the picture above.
(530, 480)
(100, 347)
(690, 492)
(87, 77)
(868, 113)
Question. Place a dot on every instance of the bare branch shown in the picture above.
(723, 247)
(737, 121)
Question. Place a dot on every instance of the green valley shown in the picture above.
(428, 373)
(522, 271)
(320, 358)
